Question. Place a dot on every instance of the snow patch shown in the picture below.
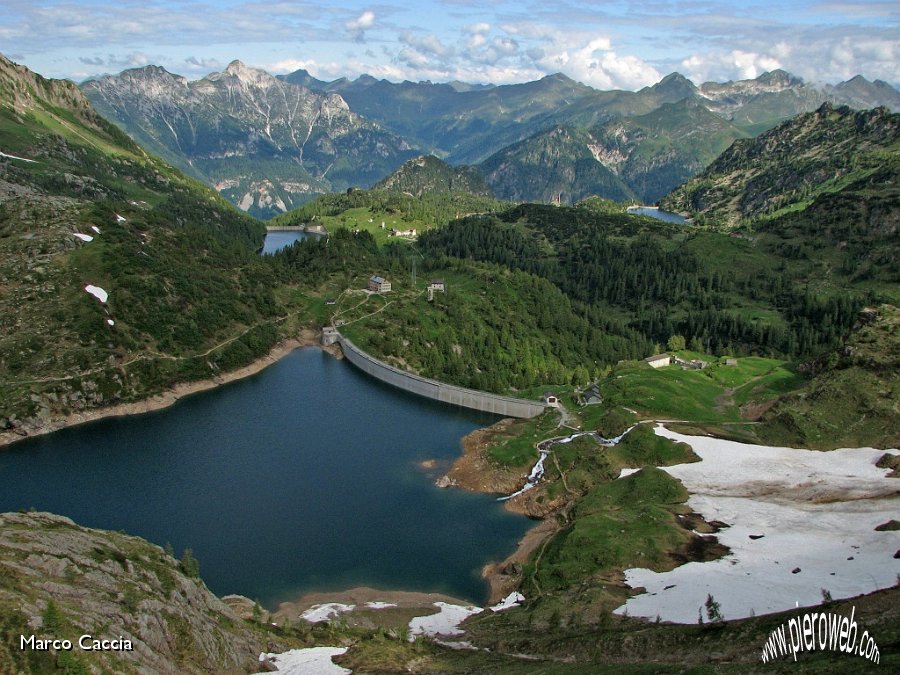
(22, 159)
(378, 604)
(83, 237)
(326, 612)
(627, 472)
(110, 322)
(97, 229)
(310, 661)
(445, 622)
(514, 599)
(816, 512)
(97, 292)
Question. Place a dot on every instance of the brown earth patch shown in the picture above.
(473, 471)
(694, 522)
(699, 549)
(890, 461)
(754, 411)
(504, 577)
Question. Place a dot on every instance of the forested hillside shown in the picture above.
(428, 175)
(541, 294)
(663, 280)
(120, 274)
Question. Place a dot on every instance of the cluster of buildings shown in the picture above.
(662, 360)
(402, 233)
(378, 284)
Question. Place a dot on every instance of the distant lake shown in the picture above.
(278, 239)
(304, 477)
(654, 212)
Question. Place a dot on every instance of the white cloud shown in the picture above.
(356, 28)
(505, 46)
(597, 64)
(476, 41)
(428, 44)
(205, 65)
(734, 65)
(289, 66)
(415, 59)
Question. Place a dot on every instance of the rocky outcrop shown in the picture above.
(63, 581)
(818, 153)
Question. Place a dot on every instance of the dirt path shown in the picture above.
(152, 355)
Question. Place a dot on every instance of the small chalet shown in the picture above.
(730, 361)
(693, 364)
(379, 284)
(330, 301)
(591, 395)
(329, 335)
(550, 399)
(658, 361)
(437, 285)
(403, 233)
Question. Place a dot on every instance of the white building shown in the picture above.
(658, 360)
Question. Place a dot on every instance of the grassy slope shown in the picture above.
(852, 399)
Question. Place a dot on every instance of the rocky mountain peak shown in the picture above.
(245, 75)
(779, 78)
(155, 76)
(860, 92)
(335, 104)
(22, 88)
(674, 86)
(558, 77)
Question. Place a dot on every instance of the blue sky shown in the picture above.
(622, 45)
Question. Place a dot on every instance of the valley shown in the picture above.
(129, 283)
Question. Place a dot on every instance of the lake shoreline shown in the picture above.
(473, 471)
(492, 572)
(306, 338)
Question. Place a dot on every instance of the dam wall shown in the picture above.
(439, 391)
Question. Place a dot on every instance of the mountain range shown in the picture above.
(265, 144)
(268, 143)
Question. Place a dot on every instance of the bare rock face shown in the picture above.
(64, 581)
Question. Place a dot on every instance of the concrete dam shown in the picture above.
(439, 391)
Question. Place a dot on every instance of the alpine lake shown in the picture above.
(308, 476)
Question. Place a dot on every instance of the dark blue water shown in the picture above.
(303, 477)
(279, 239)
(659, 214)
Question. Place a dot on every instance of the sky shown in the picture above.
(608, 45)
